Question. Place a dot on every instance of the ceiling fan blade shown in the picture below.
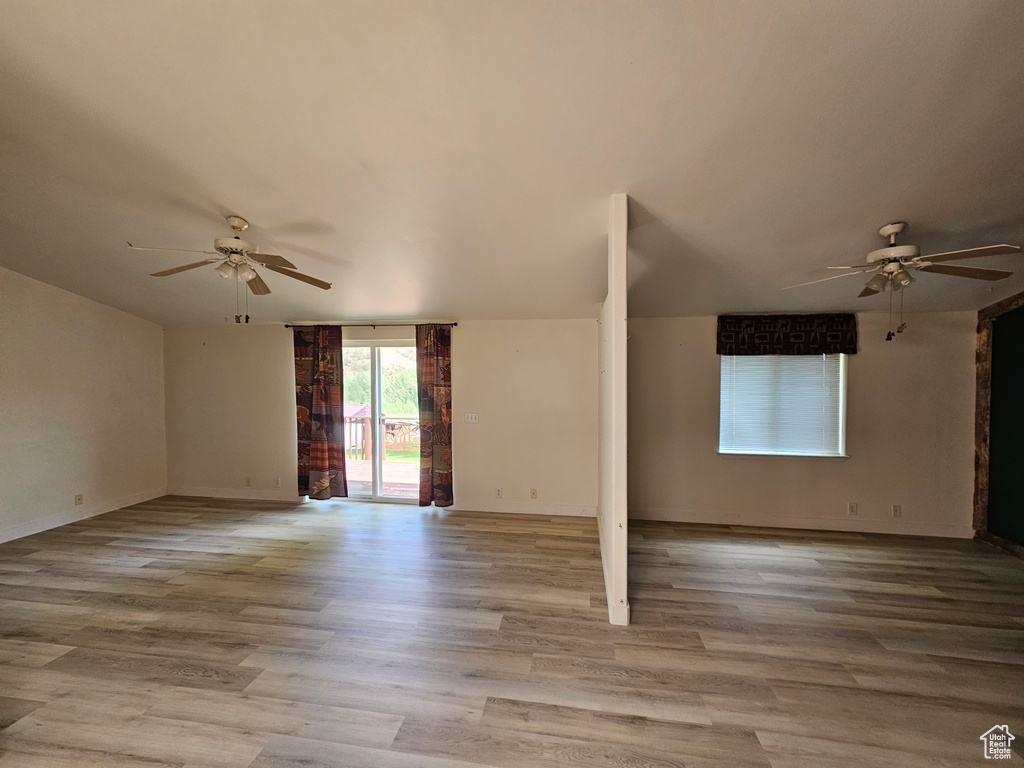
(299, 276)
(976, 272)
(970, 253)
(258, 287)
(849, 266)
(176, 270)
(862, 271)
(269, 258)
(170, 250)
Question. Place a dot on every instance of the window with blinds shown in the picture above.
(785, 405)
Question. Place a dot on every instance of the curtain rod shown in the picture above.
(363, 325)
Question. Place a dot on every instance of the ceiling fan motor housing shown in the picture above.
(234, 247)
(892, 252)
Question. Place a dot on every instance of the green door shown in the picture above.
(1006, 446)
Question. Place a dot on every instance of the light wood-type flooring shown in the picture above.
(224, 634)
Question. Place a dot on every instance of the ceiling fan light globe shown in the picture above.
(225, 270)
(902, 278)
(878, 283)
(246, 273)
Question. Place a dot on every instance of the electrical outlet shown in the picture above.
(79, 500)
(897, 510)
(851, 509)
(497, 493)
(277, 482)
(533, 493)
(472, 418)
(248, 482)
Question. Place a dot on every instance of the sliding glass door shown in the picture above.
(358, 388)
(382, 426)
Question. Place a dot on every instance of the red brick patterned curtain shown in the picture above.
(434, 382)
(320, 412)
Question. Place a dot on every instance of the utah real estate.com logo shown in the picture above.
(997, 742)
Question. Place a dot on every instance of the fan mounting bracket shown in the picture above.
(893, 229)
(237, 223)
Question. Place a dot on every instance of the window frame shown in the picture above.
(842, 452)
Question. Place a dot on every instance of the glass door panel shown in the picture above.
(382, 425)
(399, 423)
(358, 364)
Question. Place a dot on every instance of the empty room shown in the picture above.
(511, 383)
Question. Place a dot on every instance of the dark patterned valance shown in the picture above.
(787, 334)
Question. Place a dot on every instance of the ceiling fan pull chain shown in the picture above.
(902, 326)
(889, 336)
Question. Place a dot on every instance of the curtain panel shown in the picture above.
(320, 411)
(434, 384)
(821, 334)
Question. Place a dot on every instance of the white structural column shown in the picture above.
(612, 524)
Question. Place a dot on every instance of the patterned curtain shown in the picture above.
(320, 413)
(824, 334)
(434, 382)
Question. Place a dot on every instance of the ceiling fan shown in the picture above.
(893, 263)
(237, 257)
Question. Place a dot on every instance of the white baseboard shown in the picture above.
(901, 526)
(78, 513)
(525, 508)
(619, 615)
(257, 494)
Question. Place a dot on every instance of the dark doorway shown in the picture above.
(1006, 430)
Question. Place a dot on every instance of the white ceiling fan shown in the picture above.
(237, 257)
(893, 263)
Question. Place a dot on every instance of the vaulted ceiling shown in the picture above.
(454, 159)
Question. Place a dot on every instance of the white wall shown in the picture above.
(533, 384)
(612, 522)
(910, 434)
(81, 407)
(231, 411)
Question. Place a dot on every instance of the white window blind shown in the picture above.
(790, 405)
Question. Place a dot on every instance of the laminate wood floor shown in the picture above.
(201, 632)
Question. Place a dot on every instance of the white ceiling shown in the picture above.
(454, 159)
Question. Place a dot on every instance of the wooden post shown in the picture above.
(982, 413)
(982, 419)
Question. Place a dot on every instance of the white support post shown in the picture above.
(612, 522)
